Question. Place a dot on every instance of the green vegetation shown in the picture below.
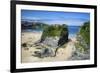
(55, 30)
(83, 37)
(85, 32)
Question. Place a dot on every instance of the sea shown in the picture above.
(32, 30)
(73, 30)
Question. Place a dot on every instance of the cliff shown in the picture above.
(55, 35)
(82, 51)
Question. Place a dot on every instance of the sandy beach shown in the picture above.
(63, 53)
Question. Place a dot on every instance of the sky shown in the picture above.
(53, 17)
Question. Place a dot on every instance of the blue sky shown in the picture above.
(53, 17)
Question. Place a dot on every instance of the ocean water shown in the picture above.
(32, 30)
(73, 30)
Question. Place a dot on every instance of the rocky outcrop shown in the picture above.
(55, 35)
(82, 46)
(63, 36)
(51, 42)
(83, 36)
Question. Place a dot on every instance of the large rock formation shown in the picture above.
(63, 35)
(55, 35)
(83, 43)
(84, 36)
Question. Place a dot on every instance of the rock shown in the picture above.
(55, 35)
(24, 45)
(63, 36)
(37, 54)
(47, 52)
(51, 42)
(77, 55)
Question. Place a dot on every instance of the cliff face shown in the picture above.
(55, 35)
(83, 43)
(84, 36)
(63, 35)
